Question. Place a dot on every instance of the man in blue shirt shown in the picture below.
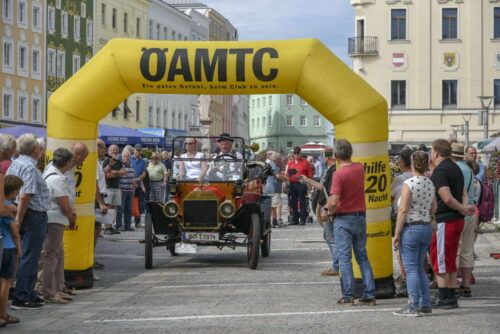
(471, 154)
(139, 165)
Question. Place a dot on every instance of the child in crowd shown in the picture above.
(11, 249)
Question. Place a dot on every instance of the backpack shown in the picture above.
(486, 203)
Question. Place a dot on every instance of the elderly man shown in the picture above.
(295, 168)
(346, 205)
(34, 202)
(124, 212)
(466, 248)
(113, 170)
(471, 154)
(274, 188)
(223, 166)
(9, 147)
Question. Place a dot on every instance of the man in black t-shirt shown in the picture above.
(452, 207)
(113, 170)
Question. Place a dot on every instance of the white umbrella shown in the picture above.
(494, 146)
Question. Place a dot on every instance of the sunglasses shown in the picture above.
(189, 143)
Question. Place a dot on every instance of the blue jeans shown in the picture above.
(415, 241)
(124, 210)
(329, 237)
(33, 231)
(350, 234)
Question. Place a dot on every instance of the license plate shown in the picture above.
(181, 248)
(200, 236)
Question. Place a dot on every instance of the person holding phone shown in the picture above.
(296, 167)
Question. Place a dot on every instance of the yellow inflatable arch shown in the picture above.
(304, 67)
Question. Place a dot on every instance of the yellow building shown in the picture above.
(22, 74)
(431, 60)
(124, 19)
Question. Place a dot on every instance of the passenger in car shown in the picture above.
(192, 169)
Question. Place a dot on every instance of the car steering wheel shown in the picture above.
(224, 156)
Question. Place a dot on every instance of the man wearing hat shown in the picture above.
(221, 170)
(139, 165)
(466, 248)
(297, 167)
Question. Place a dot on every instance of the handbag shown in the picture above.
(135, 207)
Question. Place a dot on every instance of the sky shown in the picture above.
(330, 21)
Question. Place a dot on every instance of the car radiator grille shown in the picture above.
(200, 213)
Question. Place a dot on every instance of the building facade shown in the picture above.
(431, 60)
(166, 110)
(281, 122)
(70, 26)
(123, 19)
(219, 118)
(23, 57)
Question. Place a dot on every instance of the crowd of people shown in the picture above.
(435, 201)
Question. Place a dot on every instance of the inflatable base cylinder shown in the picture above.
(79, 279)
(304, 67)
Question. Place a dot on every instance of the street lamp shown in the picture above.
(483, 113)
(465, 129)
(454, 129)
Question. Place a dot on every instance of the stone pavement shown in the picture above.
(215, 292)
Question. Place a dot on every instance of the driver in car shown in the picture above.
(223, 165)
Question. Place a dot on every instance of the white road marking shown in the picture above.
(261, 315)
(219, 285)
(255, 315)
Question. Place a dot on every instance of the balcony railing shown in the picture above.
(363, 46)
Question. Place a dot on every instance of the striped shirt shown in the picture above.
(126, 182)
(24, 168)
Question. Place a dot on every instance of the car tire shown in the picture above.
(265, 247)
(148, 241)
(253, 241)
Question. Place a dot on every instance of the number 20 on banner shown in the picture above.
(377, 181)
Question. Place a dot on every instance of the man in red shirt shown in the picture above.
(298, 191)
(346, 205)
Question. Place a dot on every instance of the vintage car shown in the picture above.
(215, 199)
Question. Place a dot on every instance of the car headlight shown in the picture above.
(171, 209)
(226, 209)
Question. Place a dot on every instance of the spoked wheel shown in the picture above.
(148, 241)
(265, 247)
(253, 244)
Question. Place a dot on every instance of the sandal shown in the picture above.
(9, 319)
(69, 291)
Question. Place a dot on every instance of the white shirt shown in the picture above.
(101, 178)
(58, 187)
(422, 194)
(192, 168)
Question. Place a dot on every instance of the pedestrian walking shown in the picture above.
(452, 206)
(296, 167)
(319, 205)
(34, 202)
(413, 234)
(346, 205)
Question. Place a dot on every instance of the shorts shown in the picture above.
(114, 197)
(9, 263)
(466, 247)
(276, 200)
(444, 246)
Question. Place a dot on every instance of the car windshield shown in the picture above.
(208, 159)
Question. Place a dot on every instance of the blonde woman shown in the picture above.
(192, 169)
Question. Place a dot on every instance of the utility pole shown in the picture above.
(483, 113)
